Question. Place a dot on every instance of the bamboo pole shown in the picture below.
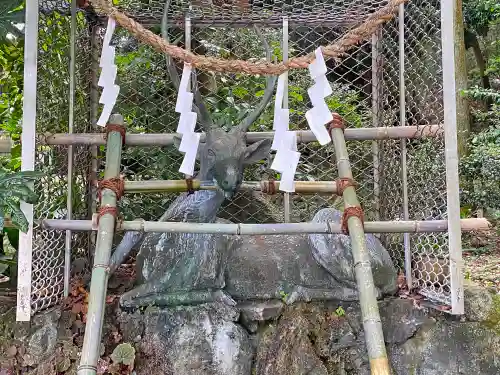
(266, 187)
(99, 281)
(303, 136)
(374, 336)
(427, 226)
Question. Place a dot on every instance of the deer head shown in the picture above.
(223, 155)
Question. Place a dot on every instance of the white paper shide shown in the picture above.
(284, 142)
(108, 75)
(319, 115)
(187, 122)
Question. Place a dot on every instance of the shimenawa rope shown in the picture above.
(334, 50)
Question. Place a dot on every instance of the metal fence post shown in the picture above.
(402, 122)
(69, 189)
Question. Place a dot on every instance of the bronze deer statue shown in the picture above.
(188, 268)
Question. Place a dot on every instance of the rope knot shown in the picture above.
(353, 211)
(115, 184)
(336, 123)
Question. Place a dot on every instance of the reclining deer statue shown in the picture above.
(189, 268)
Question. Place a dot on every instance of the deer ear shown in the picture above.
(177, 144)
(258, 151)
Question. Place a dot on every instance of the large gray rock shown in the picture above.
(417, 344)
(195, 340)
(43, 339)
(449, 348)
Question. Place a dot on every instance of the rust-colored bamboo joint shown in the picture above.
(353, 211)
(115, 184)
(116, 128)
(107, 210)
(189, 185)
(268, 187)
(343, 183)
(336, 123)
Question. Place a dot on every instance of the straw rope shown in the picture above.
(334, 50)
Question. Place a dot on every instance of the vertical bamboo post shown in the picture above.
(372, 324)
(105, 233)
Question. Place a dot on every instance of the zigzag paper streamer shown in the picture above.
(319, 115)
(108, 75)
(187, 122)
(284, 142)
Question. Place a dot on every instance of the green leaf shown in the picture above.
(25, 193)
(17, 216)
(124, 354)
(13, 236)
(10, 13)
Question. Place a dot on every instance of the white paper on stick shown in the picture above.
(109, 95)
(320, 114)
(317, 67)
(189, 142)
(187, 122)
(186, 75)
(189, 145)
(279, 162)
(107, 56)
(318, 128)
(106, 112)
(283, 159)
(319, 91)
(277, 139)
(108, 76)
(110, 29)
(280, 91)
(281, 118)
(188, 163)
(290, 140)
(287, 181)
(184, 102)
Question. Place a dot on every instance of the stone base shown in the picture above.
(270, 338)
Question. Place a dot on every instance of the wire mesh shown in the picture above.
(365, 92)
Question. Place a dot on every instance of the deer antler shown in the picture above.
(268, 93)
(204, 117)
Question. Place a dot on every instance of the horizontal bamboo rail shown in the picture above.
(427, 226)
(303, 136)
(266, 187)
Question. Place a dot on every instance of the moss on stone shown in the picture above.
(493, 320)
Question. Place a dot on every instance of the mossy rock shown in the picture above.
(493, 319)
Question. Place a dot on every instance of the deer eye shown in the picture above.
(211, 153)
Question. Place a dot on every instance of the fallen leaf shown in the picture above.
(77, 308)
(12, 351)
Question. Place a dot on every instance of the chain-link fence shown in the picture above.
(367, 86)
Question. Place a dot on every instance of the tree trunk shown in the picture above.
(472, 42)
(463, 115)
